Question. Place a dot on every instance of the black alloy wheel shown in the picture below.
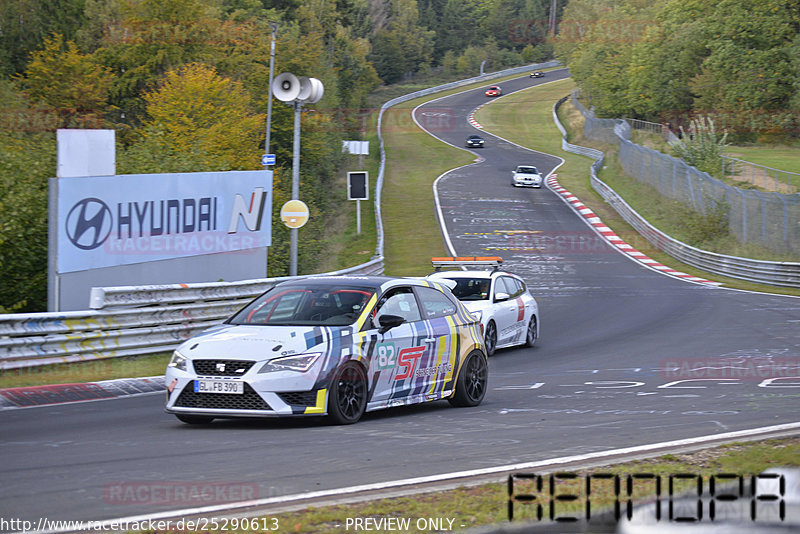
(533, 332)
(348, 395)
(490, 339)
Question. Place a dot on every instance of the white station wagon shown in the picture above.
(508, 313)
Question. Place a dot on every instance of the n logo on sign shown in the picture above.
(252, 214)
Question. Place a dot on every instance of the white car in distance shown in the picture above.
(526, 175)
(508, 313)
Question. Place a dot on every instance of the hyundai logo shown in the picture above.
(89, 223)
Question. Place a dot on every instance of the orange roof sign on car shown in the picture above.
(467, 261)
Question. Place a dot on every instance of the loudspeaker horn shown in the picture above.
(286, 87)
(305, 88)
(317, 90)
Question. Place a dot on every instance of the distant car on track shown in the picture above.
(335, 346)
(526, 175)
(537, 74)
(508, 313)
(494, 90)
(475, 141)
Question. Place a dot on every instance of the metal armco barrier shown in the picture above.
(775, 273)
(132, 320)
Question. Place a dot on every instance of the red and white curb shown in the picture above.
(471, 117)
(31, 396)
(613, 239)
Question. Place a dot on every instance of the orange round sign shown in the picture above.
(294, 214)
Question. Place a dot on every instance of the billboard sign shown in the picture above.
(118, 220)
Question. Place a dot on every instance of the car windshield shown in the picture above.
(527, 170)
(471, 288)
(311, 305)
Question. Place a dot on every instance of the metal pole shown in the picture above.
(274, 30)
(295, 186)
(358, 216)
(274, 27)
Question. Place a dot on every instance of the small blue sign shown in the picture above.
(268, 159)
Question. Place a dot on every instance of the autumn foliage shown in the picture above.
(196, 111)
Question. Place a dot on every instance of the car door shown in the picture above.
(523, 308)
(506, 310)
(395, 353)
(440, 361)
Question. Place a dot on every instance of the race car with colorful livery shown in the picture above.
(508, 313)
(494, 90)
(333, 346)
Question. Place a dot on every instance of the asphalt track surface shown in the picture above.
(601, 377)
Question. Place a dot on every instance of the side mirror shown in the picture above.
(388, 321)
(500, 297)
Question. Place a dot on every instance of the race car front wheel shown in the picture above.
(348, 395)
(533, 332)
(490, 339)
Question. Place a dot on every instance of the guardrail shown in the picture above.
(775, 273)
(133, 320)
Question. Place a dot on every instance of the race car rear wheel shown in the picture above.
(533, 332)
(348, 395)
(490, 339)
(472, 381)
(194, 419)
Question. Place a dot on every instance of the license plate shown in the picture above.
(219, 386)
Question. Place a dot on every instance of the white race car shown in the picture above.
(335, 346)
(508, 313)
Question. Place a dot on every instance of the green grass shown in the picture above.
(782, 157)
(526, 119)
(88, 371)
(414, 160)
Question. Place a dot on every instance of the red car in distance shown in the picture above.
(494, 91)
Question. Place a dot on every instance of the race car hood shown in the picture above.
(248, 342)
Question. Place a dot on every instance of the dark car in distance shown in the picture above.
(474, 141)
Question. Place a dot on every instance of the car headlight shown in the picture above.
(178, 361)
(298, 362)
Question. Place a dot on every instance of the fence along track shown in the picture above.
(133, 320)
(786, 274)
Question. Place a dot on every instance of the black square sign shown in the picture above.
(358, 185)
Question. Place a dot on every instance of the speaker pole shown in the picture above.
(298, 106)
(274, 29)
(273, 25)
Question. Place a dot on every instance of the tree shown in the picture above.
(27, 160)
(71, 83)
(404, 45)
(198, 113)
(150, 38)
(25, 24)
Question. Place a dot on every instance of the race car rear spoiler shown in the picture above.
(467, 261)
